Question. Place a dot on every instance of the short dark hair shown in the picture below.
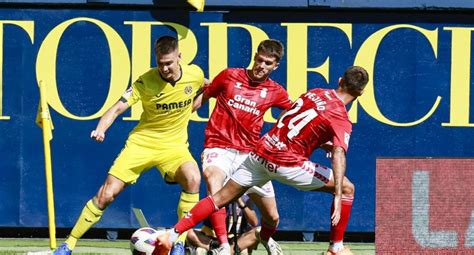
(271, 47)
(165, 45)
(354, 80)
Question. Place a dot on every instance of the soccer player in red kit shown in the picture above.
(243, 96)
(317, 118)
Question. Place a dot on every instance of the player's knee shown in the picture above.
(104, 198)
(208, 174)
(348, 189)
(192, 182)
(212, 173)
(213, 179)
(272, 219)
(275, 218)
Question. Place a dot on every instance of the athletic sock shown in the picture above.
(186, 202)
(226, 247)
(336, 246)
(219, 225)
(267, 231)
(200, 211)
(89, 216)
(337, 232)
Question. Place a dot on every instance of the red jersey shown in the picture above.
(318, 116)
(241, 103)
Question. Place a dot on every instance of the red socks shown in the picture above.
(200, 211)
(267, 231)
(218, 221)
(337, 232)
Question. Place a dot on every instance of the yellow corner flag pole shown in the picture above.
(198, 4)
(43, 119)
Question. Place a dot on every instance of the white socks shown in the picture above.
(335, 247)
(173, 235)
(226, 246)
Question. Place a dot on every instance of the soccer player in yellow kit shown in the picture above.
(160, 139)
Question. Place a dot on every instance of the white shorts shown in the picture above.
(256, 171)
(229, 160)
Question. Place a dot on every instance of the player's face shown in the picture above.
(168, 65)
(263, 66)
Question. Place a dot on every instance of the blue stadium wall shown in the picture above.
(417, 103)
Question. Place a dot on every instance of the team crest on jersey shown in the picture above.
(188, 90)
(346, 138)
(263, 93)
(238, 85)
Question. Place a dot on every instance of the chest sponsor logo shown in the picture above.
(244, 104)
(173, 105)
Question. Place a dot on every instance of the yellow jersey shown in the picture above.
(167, 107)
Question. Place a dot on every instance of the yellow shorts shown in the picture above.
(135, 159)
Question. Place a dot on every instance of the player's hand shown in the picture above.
(241, 203)
(162, 244)
(336, 215)
(98, 136)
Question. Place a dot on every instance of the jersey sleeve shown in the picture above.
(132, 95)
(217, 85)
(283, 99)
(342, 133)
(199, 79)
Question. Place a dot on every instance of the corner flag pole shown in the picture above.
(44, 121)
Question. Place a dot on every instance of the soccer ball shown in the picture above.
(143, 241)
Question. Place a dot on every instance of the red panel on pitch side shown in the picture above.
(425, 206)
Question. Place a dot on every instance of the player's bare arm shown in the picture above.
(107, 119)
(201, 97)
(248, 212)
(339, 170)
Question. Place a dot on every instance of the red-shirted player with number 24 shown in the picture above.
(317, 118)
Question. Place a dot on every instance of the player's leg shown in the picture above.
(248, 240)
(264, 198)
(126, 169)
(217, 164)
(93, 210)
(266, 203)
(314, 177)
(215, 178)
(189, 177)
(337, 231)
(203, 209)
(198, 239)
(234, 188)
(177, 165)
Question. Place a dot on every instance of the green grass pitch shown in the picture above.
(14, 246)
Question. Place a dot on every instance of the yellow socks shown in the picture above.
(186, 202)
(89, 216)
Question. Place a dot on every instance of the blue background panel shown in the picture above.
(416, 4)
(406, 78)
(392, 3)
